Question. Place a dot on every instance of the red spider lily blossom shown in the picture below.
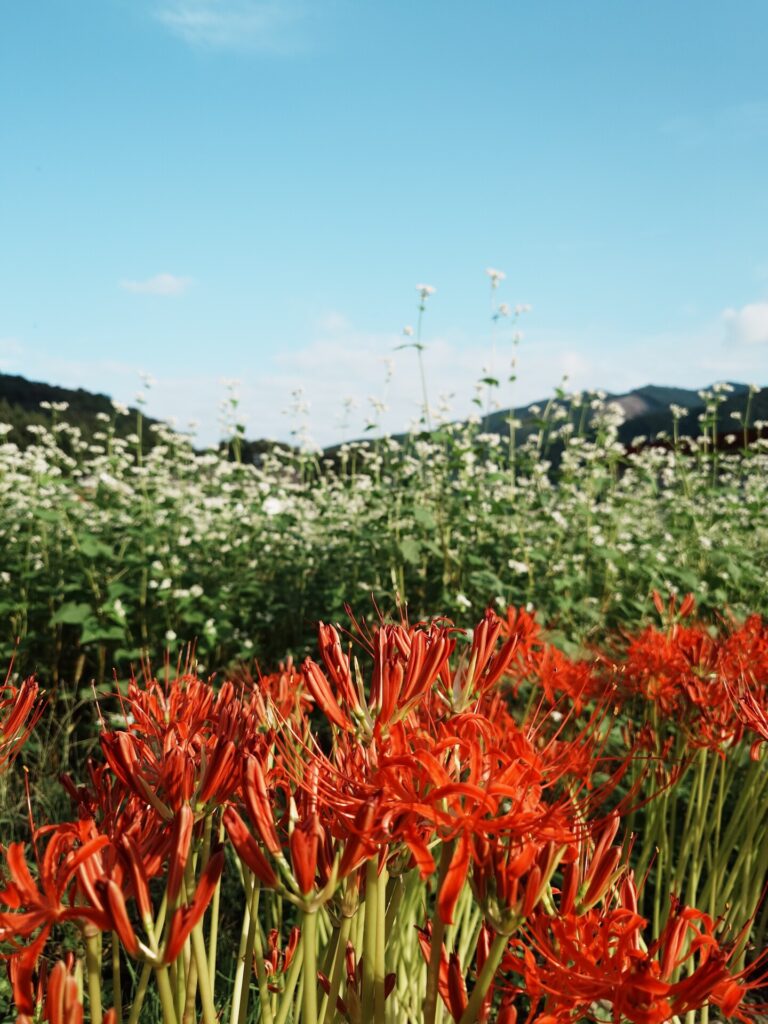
(407, 663)
(39, 905)
(181, 742)
(61, 998)
(454, 879)
(691, 675)
(259, 805)
(509, 880)
(247, 849)
(574, 961)
(278, 959)
(451, 983)
(752, 712)
(180, 847)
(20, 708)
(184, 919)
(35, 907)
(349, 1004)
(304, 845)
(672, 612)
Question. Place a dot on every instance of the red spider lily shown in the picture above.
(510, 879)
(62, 1004)
(574, 961)
(691, 675)
(672, 612)
(587, 878)
(35, 907)
(304, 845)
(184, 919)
(182, 742)
(754, 715)
(349, 1005)
(407, 663)
(20, 708)
(39, 905)
(108, 881)
(278, 960)
(451, 983)
(248, 849)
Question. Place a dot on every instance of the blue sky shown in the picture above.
(208, 189)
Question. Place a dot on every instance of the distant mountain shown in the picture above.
(646, 410)
(20, 406)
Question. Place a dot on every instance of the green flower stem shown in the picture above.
(485, 979)
(237, 989)
(431, 1015)
(328, 1008)
(369, 938)
(117, 987)
(381, 945)
(93, 968)
(213, 934)
(190, 998)
(203, 981)
(294, 974)
(265, 1005)
(253, 924)
(166, 995)
(309, 974)
(140, 993)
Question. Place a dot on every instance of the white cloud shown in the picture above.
(343, 362)
(160, 284)
(729, 125)
(11, 351)
(748, 325)
(256, 25)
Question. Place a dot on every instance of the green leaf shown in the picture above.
(123, 654)
(424, 517)
(97, 633)
(72, 614)
(92, 547)
(410, 550)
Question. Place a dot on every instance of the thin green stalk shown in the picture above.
(381, 945)
(213, 933)
(237, 987)
(253, 924)
(294, 974)
(436, 946)
(93, 968)
(422, 374)
(265, 1005)
(140, 993)
(484, 980)
(369, 938)
(328, 1008)
(166, 995)
(309, 974)
(206, 1000)
(117, 987)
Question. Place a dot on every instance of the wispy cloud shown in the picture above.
(729, 125)
(267, 26)
(342, 362)
(748, 325)
(160, 284)
(10, 351)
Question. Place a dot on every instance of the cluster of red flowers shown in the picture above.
(332, 793)
(710, 683)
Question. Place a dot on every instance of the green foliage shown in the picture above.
(111, 549)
